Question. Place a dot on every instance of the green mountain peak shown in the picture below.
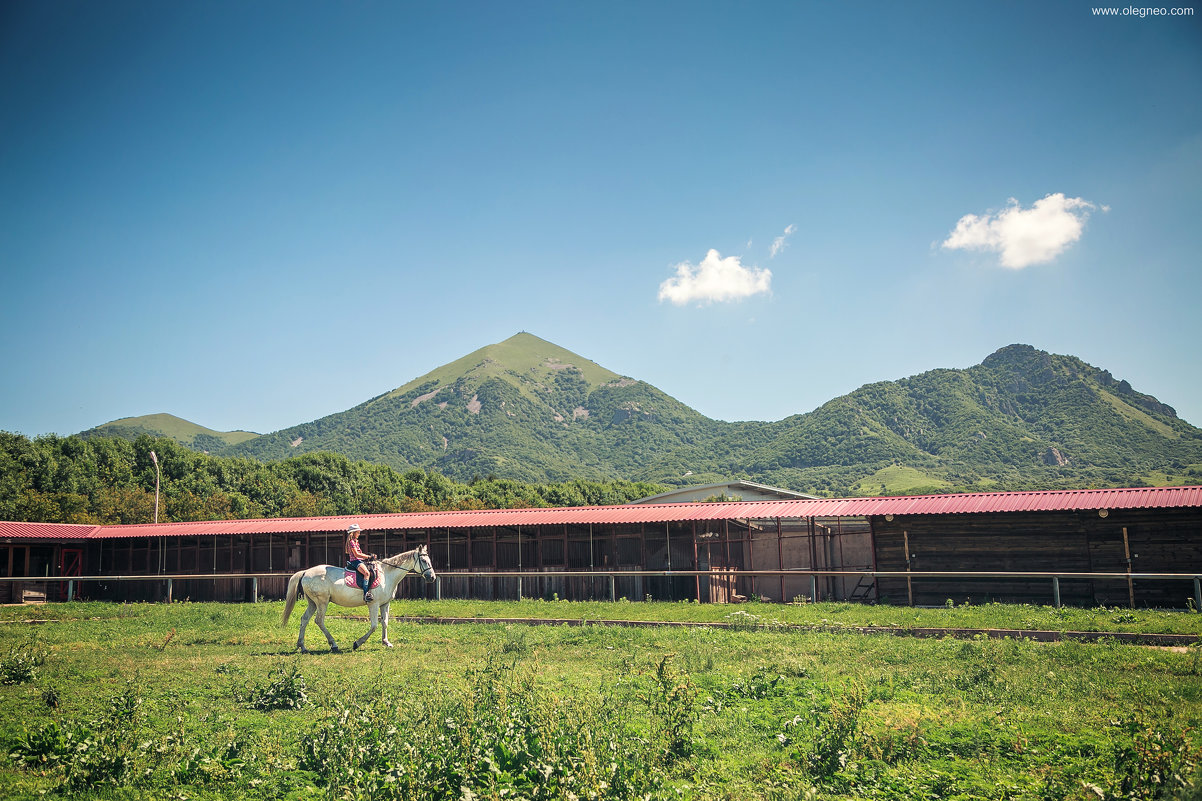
(527, 409)
(525, 360)
(168, 425)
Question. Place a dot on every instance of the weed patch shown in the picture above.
(20, 663)
(286, 689)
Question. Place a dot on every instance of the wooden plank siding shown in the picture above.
(1159, 540)
(1165, 541)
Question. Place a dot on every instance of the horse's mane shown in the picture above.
(396, 561)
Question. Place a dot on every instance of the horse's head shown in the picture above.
(422, 564)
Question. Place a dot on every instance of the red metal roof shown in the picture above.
(47, 531)
(964, 503)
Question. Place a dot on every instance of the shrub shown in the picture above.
(672, 701)
(1152, 761)
(286, 691)
(500, 738)
(20, 663)
(89, 755)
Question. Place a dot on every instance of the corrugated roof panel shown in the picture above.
(49, 531)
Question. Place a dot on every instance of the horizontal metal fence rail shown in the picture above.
(1053, 576)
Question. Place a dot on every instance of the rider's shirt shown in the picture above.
(352, 548)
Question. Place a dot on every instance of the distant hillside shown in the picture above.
(529, 410)
(166, 425)
(1022, 419)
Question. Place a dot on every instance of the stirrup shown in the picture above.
(367, 596)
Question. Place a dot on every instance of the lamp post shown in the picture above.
(155, 459)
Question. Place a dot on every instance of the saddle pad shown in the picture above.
(352, 579)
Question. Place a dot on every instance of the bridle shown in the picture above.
(418, 563)
(421, 560)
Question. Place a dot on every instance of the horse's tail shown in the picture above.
(292, 595)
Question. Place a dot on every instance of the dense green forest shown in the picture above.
(54, 479)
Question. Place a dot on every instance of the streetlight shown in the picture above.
(155, 459)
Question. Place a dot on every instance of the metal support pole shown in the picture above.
(71, 589)
(1198, 594)
(909, 581)
(254, 589)
(613, 589)
(1056, 590)
(170, 590)
(438, 588)
(813, 589)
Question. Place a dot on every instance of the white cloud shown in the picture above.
(778, 244)
(1024, 236)
(715, 279)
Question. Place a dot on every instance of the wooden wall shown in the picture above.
(1160, 541)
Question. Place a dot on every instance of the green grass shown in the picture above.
(899, 479)
(210, 701)
(1133, 414)
(831, 616)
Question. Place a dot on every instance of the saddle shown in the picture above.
(355, 579)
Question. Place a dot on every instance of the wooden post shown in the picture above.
(876, 582)
(751, 554)
(726, 544)
(1127, 556)
(909, 582)
(780, 560)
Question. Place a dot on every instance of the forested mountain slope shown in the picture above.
(529, 410)
(1022, 419)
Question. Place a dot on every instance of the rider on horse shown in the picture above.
(358, 560)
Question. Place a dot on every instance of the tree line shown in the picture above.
(53, 479)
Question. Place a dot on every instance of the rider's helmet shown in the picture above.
(353, 529)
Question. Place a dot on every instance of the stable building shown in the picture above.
(1110, 546)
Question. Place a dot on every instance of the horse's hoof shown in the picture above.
(334, 649)
(355, 647)
(387, 644)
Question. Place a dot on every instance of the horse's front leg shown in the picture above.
(374, 614)
(384, 625)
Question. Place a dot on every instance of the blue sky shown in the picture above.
(251, 215)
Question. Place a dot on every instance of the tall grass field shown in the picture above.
(210, 701)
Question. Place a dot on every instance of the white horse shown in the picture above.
(325, 584)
